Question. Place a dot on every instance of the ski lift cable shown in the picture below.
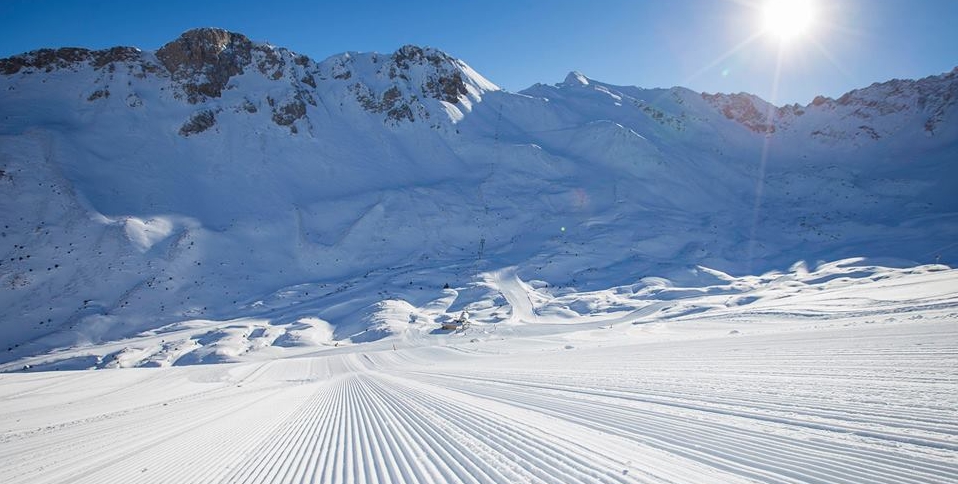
(484, 217)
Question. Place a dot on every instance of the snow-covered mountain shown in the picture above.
(221, 179)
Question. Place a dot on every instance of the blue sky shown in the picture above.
(660, 43)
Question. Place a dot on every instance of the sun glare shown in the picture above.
(788, 19)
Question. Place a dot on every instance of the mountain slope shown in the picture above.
(219, 178)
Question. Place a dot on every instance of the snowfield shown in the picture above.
(844, 374)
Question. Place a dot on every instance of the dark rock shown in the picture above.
(391, 103)
(288, 113)
(401, 112)
(411, 54)
(742, 109)
(99, 93)
(271, 64)
(198, 123)
(204, 60)
(446, 88)
(113, 55)
(869, 131)
(45, 59)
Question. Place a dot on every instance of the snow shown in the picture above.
(659, 286)
(576, 78)
(841, 374)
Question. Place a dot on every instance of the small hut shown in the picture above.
(457, 324)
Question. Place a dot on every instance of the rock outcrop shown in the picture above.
(48, 60)
(204, 60)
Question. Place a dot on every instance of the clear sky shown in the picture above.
(706, 45)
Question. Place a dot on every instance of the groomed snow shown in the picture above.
(836, 375)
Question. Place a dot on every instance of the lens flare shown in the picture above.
(788, 19)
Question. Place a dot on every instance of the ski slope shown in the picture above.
(842, 378)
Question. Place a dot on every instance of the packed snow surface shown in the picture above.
(844, 374)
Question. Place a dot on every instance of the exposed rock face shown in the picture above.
(391, 103)
(204, 60)
(927, 99)
(98, 94)
(405, 85)
(287, 113)
(47, 60)
(443, 82)
(930, 98)
(203, 63)
(198, 123)
(114, 55)
(446, 88)
(752, 112)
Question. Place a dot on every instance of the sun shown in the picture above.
(788, 20)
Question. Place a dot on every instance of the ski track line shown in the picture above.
(466, 428)
(505, 434)
(737, 411)
(389, 433)
(615, 429)
(201, 448)
(476, 419)
(82, 454)
(59, 427)
(224, 443)
(77, 433)
(434, 443)
(812, 405)
(720, 439)
(310, 447)
(72, 445)
(938, 399)
(832, 415)
(295, 428)
(126, 396)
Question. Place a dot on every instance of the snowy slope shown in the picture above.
(229, 187)
(835, 375)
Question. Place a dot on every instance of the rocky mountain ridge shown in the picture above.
(927, 100)
(404, 85)
(200, 65)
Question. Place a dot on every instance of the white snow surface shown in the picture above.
(844, 374)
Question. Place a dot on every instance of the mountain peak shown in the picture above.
(198, 47)
(413, 83)
(214, 53)
(576, 78)
(415, 54)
